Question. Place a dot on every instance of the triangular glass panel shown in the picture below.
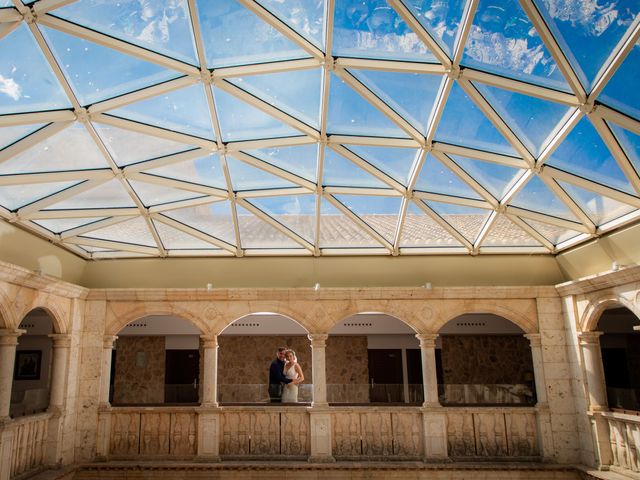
(256, 233)
(466, 220)
(351, 114)
(296, 92)
(202, 171)
(174, 239)
(420, 230)
(235, 36)
(394, 161)
(380, 213)
(584, 153)
(341, 172)
(27, 83)
(134, 231)
(296, 212)
(599, 208)
(111, 194)
(162, 25)
(183, 110)
(537, 197)
(434, 177)
(532, 119)
(13, 197)
(495, 178)
(151, 194)
(241, 121)
(301, 160)
(440, 19)
(630, 143)
(83, 63)
(247, 177)
(307, 17)
(463, 123)
(373, 29)
(505, 233)
(10, 135)
(587, 32)
(621, 92)
(59, 225)
(214, 219)
(553, 233)
(92, 249)
(503, 41)
(411, 95)
(338, 231)
(6, 3)
(129, 147)
(70, 149)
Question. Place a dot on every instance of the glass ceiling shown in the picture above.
(309, 127)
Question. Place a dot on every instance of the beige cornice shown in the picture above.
(600, 281)
(24, 277)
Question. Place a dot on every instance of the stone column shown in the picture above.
(61, 346)
(104, 412)
(209, 377)
(590, 346)
(429, 377)
(8, 344)
(535, 340)
(319, 414)
(318, 361)
(107, 351)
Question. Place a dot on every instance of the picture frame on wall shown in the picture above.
(27, 365)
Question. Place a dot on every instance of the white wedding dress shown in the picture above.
(290, 391)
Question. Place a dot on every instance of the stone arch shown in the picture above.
(597, 305)
(53, 311)
(400, 313)
(8, 318)
(527, 324)
(244, 309)
(116, 322)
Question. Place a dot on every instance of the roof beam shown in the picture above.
(191, 202)
(44, 6)
(466, 178)
(390, 65)
(51, 177)
(618, 118)
(272, 169)
(568, 201)
(58, 197)
(401, 218)
(441, 198)
(179, 184)
(105, 222)
(127, 247)
(31, 140)
(444, 224)
(560, 134)
(466, 23)
(373, 141)
(438, 108)
(531, 231)
(195, 233)
(269, 143)
(82, 213)
(268, 67)
(378, 192)
(544, 218)
(273, 192)
(7, 28)
(480, 155)
(37, 117)
(165, 161)
(484, 231)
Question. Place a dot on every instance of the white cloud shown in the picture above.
(9, 87)
(588, 14)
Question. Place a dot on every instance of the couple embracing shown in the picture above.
(285, 374)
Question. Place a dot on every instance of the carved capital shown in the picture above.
(535, 339)
(427, 340)
(590, 338)
(109, 341)
(318, 340)
(60, 340)
(209, 341)
(10, 337)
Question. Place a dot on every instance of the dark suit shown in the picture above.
(276, 379)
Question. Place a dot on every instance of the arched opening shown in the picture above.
(373, 358)
(248, 346)
(33, 365)
(620, 347)
(156, 361)
(484, 359)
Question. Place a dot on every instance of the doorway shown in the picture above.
(182, 371)
(385, 376)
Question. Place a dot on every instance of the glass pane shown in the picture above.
(436, 178)
(108, 195)
(341, 172)
(235, 36)
(13, 197)
(247, 177)
(350, 114)
(59, 225)
(241, 121)
(71, 149)
(338, 231)
(420, 230)
(440, 19)
(83, 64)
(162, 25)
(151, 194)
(505, 233)
(395, 162)
(256, 233)
(301, 160)
(27, 83)
(503, 40)
(621, 92)
(463, 123)
(174, 239)
(588, 31)
(296, 212)
(10, 135)
(307, 17)
(496, 178)
(380, 213)
(532, 120)
(466, 220)
(213, 219)
(185, 110)
(373, 29)
(553, 233)
(600, 209)
(412, 95)
(203, 171)
(584, 153)
(296, 92)
(630, 143)
(537, 197)
(129, 147)
(135, 231)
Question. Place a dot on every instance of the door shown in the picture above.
(385, 376)
(182, 373)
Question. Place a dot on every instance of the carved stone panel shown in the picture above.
(154, 433)
(407, 434)
(346, 438)
(184, 434)
(376, 434)
(295, 433)
(633, 442)
(491, 439)
(521, 434)
(125, 434)
(461, 440)
(265, 433)
(236, 432)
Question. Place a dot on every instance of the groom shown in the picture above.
(276, 377)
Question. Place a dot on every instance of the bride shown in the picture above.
(293, 371)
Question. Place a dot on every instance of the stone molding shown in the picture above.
(600, 281)
(24, 277)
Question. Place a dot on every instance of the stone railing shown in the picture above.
(624, 436)
(26, 438)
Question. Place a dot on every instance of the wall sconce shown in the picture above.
(316, 287)
(209, 287)
(427, 285)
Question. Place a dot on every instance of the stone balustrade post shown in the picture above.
(209, 377)
(319, 414)
(318, 362)
(429, 376)
(592, 356)
(8, 344)
(535, 341)
(107, 352)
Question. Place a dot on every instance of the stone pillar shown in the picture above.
(61, 346)
(319, 414)
(209, 377)
(209, 413)
(107, 351)
(429, 377)
(318, 361)
(104, 411)
(8, 344)
(590, 346)
(535, 340)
